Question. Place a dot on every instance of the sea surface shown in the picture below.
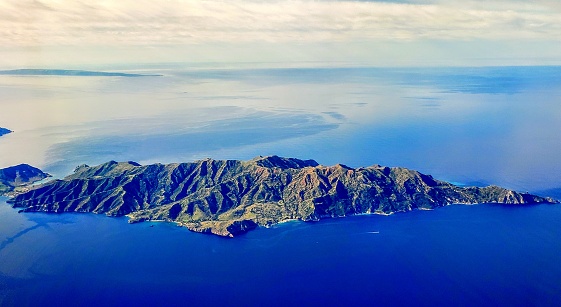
(484, 255)
(470, 126)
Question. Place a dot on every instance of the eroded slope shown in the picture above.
(229, 197)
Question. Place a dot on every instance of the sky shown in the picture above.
(80, 33)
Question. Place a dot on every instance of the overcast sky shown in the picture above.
(383, 33)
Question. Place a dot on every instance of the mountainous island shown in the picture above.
(230, 197)
(18, 177)
(4, 131)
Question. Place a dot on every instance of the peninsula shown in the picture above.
(18, 177)
(4, 131)
(230, 197)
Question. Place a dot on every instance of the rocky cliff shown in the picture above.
(229, 197)
(19, 176)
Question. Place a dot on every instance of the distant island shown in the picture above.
(4, 131)
(68, 72)
(230, 197)
(18, 177)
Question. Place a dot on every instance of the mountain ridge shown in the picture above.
(231, 197)
(19, 176)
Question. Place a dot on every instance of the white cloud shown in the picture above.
(176, 22)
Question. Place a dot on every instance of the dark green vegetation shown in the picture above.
(67, 72)
(4, 131)
(19, 176)
(229, 197)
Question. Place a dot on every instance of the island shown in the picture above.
(230, 197)
(68, 72)
(4, 131)
(19, 177)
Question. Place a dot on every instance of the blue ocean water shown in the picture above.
(483, 255)
(487, 125)
(474, 126)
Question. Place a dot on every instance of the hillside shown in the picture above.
(230, 197)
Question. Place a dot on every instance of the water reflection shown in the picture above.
(173, 141)
(486, 125)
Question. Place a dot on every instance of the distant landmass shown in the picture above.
(230, 197)
(19, 176)
(4, 131)
(67, 72)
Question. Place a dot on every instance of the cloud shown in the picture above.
(173, 22)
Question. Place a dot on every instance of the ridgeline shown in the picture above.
(230, 197)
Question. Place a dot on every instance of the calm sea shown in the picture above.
(473, 126)
(484, 255)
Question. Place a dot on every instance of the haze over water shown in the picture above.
(473, 126)
(467, 125)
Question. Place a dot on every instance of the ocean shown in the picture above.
(484, 255)
(470, 126)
